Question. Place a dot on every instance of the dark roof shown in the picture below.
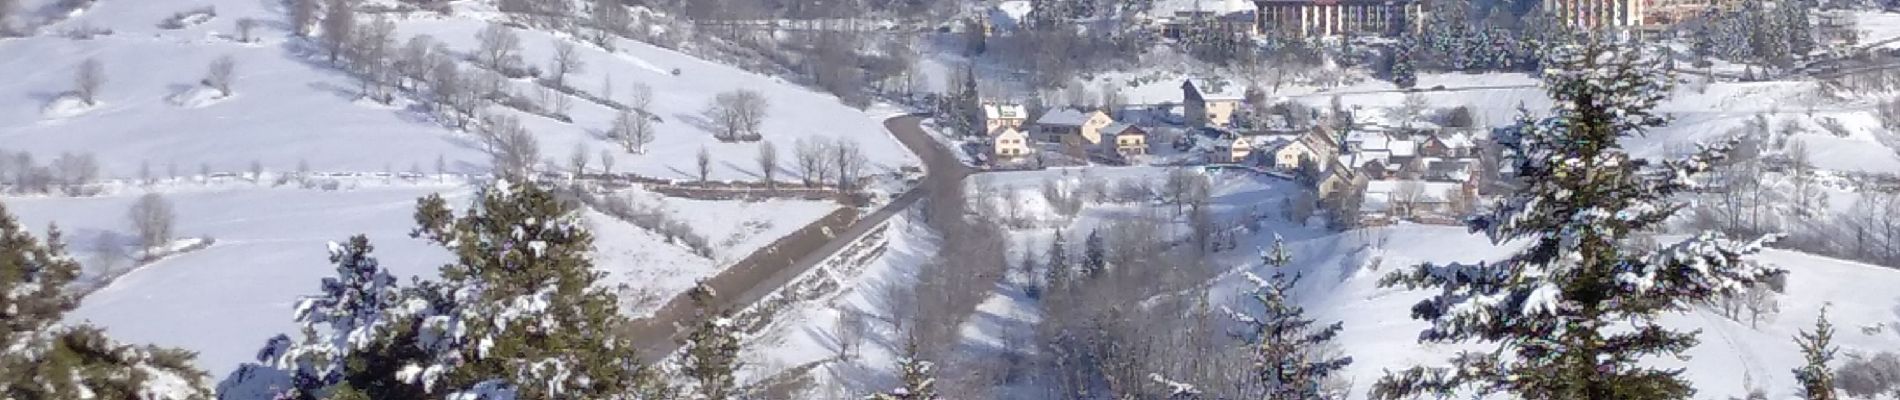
(1190, 93)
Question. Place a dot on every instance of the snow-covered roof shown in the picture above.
(1005, 111)
(1116, 128)
(1361, 158)
(1456, 139)
(1231, 91)
(1402, 148)
(1380, 194)
(1430, 192)
(1009, 14)
(1002, 131)
(1063, 117)
(1219, 7)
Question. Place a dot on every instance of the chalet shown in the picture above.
(1087, 126)
(1126, 140)
(1008, 143)
(1206, 105)
(1287, 154)
(1229, 148)
(1338, 178)
(997, 115)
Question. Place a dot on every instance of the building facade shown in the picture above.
(1600, 14)
(1303, 18)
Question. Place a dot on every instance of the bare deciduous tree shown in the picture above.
(513, 148)
(578, 160)
(606, 161)
(245, 29)
(75, 173)
(567, 60)
(416, 60)
(610, 19)
(498, 47)
(768, 163)
(812, 154)
(704, 160)
(736, 115)
(642, 97)
(223, 72)
(848, 158)
(7, 8)
(632, 130)
(339, 23)
(90, 77)
(152, 218)
(303, 13)
(1406, 197)
(1760, 303)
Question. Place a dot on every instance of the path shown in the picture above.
(776, 265)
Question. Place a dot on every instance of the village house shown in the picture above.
(1227, 147)
(1202, 107)
(1286, 154)
(1336, 179)
(1126, 140)
(997, 115)
(1008, 143)
(1085, 126)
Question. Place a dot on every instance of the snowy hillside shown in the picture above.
(225, 300)
(290, 109)
(290, 106)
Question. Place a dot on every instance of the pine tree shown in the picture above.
(1058, 263)
(1574, 313)
(523, 303)
(1404, 72)
(919, 376)
(346, 318)
(1094, 255)
(1817, 380)
(47, 359)
(1285, 344)
(712, 349)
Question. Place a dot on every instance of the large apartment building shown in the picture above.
(1335, 17)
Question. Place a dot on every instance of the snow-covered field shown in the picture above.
(225, 300)
(654, 270)
(291, 107)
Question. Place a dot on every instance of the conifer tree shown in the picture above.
(1287, 364)
(348, 317)
(1404, 72)
(1573, 314)
(520, 304)
(1094, 255)
(919, 376)
(1058, 263)
(712, 349)
(1817, 380)
(46, 359)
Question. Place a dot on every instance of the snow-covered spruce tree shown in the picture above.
(1284, 343)
(1404, 71)
(712, 349)
(1817, 380)
(1574, 312)
(919, 376)
(347, 337)
(522, 304)
(44, 359)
